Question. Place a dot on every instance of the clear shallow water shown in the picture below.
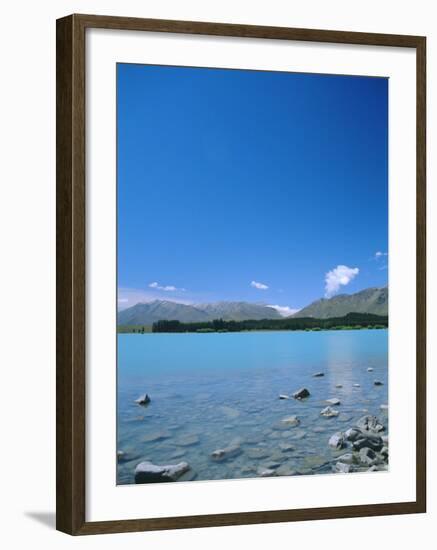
(212, 390)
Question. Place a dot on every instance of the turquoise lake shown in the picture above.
(209, 391)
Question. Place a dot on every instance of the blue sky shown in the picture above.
(246, 185)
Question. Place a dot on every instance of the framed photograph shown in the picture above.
(240, 274)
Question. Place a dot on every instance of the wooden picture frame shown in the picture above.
(71, 258)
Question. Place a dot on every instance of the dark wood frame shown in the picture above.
(70, 275)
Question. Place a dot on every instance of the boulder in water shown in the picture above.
(328, 412)
(301, 393)
(143, 400)
(147, 472)
(227, 452)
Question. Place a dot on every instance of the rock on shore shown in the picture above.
(368, 450)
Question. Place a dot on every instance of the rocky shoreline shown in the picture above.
(361, 447)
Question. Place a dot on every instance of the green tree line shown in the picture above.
(349, 321)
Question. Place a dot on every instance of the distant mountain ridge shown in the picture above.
(370, 300)
(162, 310)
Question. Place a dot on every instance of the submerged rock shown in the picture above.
(338, 385)
(147, 472)
(286, 447)
(187, 440)
(156, 436)
(283, 396)
(336, 441)
(258, 453)
(370, 369)
(383, 407)
(227, 452)
(328, 412)
(301, 393)
(356, 385)
(143, 400)
(318, 374)
(378, 383)
(286, 469)
(291, 420)
(333, 401)
(370, 425)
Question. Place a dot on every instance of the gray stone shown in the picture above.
(328, 412)
(333, 401)
(314, 462)
(347, 458)
(368, 456)
(283, 396)
(352, 434)
(286, 447)
(336, 441)
(271, 464)
(373, 442)
(286, 470)
(147, 472)
(370, 369)
(356, 385)
(339, 385)
(318, 374)
(370, 425)
(156, 436)
(265, 472)
(227, 452)
(291, 420)
(143, 400)
(301, 393)
(257, 453)
(384, 452)
(342, 468)
(378, 383)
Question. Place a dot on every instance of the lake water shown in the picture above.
(211, 390)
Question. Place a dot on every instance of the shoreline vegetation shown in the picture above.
(351, 321)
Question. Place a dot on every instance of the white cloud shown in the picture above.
(285, 311)
(167, 288)
(341, 275)
(259, 286)
(380, 254)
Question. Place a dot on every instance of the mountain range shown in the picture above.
(162, 310)
(370, 300)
